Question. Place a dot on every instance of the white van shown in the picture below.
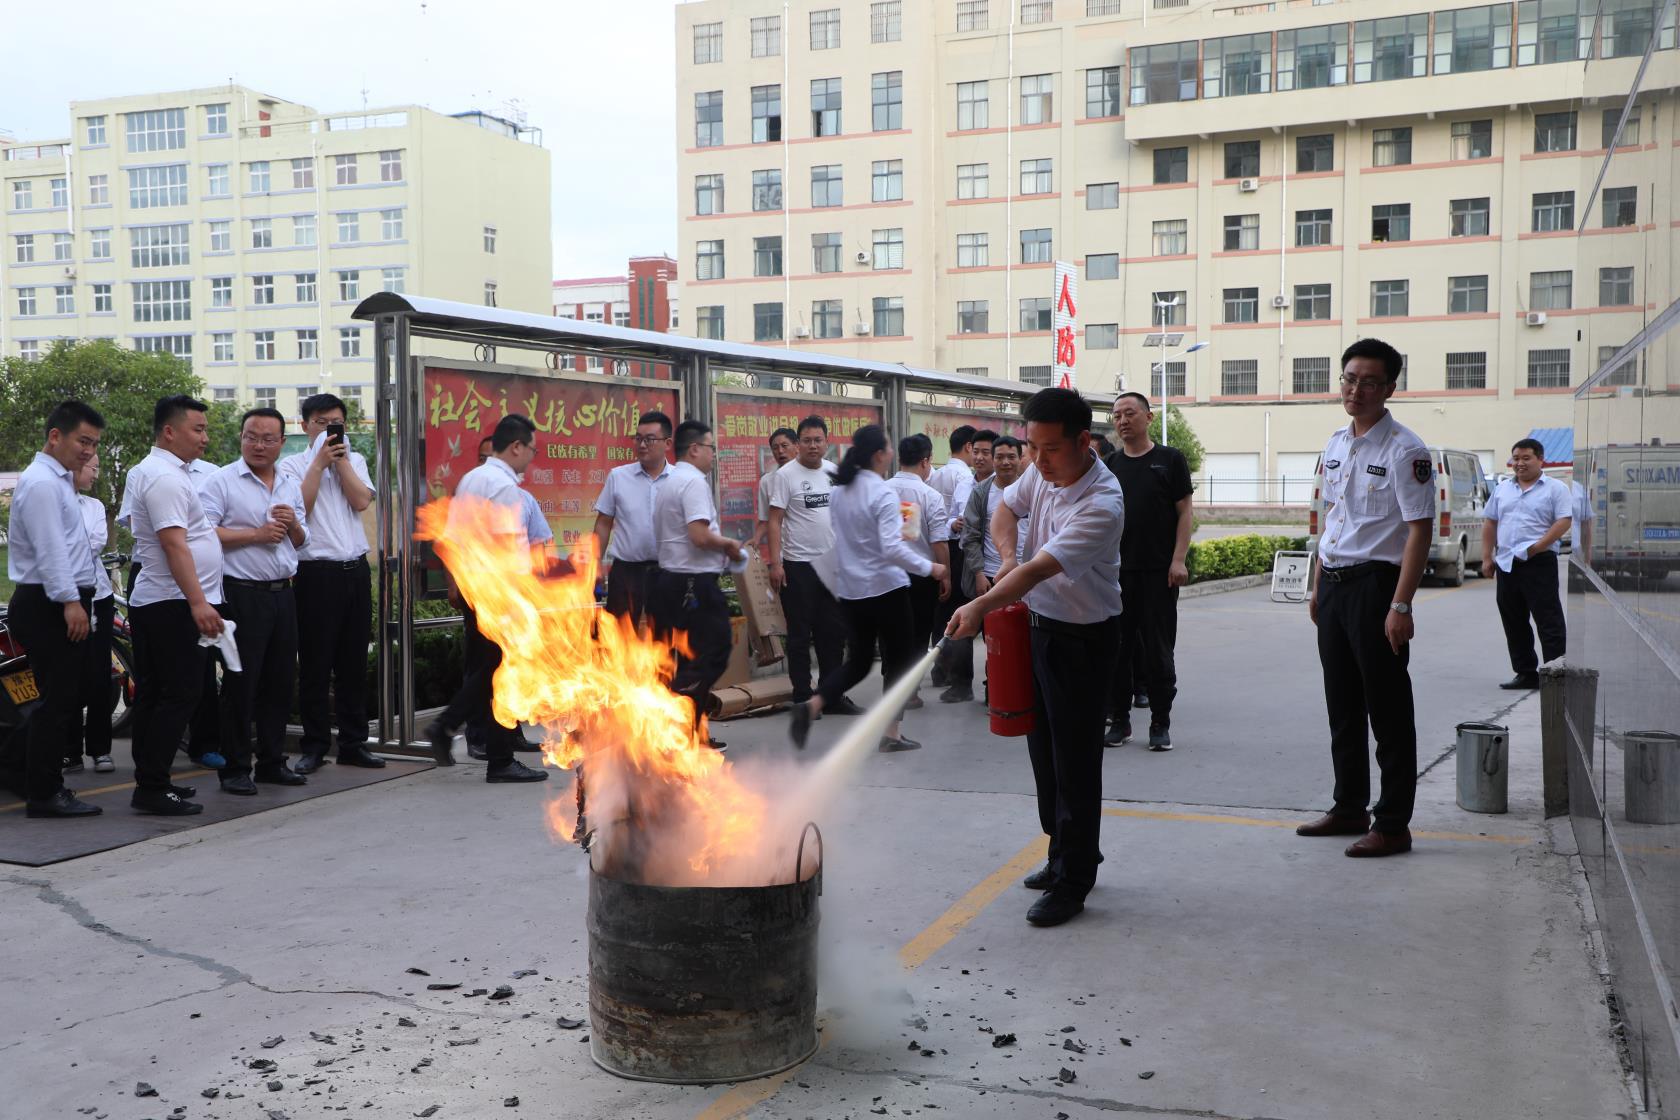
(1461, 493)
(1634, 493)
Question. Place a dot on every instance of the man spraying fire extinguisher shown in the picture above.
(1070, 581)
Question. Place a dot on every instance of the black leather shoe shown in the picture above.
(1522, 682)
(844, 707)
(889, 745)
(443, 743)
(61, 804)
(163, 803)
(308, 763)
(717, 745)
(1140, 699)
(957, 694)
(799, 728)
(514, 771)
(1054, 909)
(278, 774)
(72, 766)
(477, 750)
(360, 756)
(1330, 824)
(240, 784)
(1119, 733)
(1041, 880)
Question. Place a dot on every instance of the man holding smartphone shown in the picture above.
(334, 588)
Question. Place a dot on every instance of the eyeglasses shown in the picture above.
(713, 446)
(1363, 384)
(261, 441)
(650, 439)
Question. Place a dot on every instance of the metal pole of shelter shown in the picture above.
(383, 329)
(408, 476)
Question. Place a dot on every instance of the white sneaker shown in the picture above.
(103, 764)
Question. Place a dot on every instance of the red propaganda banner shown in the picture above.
(743, 426)
(938, 424)
(584, 429)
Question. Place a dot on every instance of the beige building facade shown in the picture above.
(240, 231)
(1273, 181)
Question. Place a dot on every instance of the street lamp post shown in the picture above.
(1163, 309)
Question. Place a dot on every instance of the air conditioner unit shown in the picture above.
(1536, 319)
(69, 272)
(1280, 302)
(860, 328)
(802, 332)
(1248, 184)
(862, 256)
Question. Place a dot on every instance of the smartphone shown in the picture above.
(335, 433)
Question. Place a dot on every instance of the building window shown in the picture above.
(886, 93)
(1472, 39)
(64, 299)
(1554, 211)
(262, 233)
(1102, 266)
(216, 181)
(1315, 153)
(708, 260)
(971, 14)
(1548, 369)
(178, 344)
(1391, 147)
(708, 322)
(1615, 287)
(708, 43)
(349, 285)
(973, 105)
(1620, 206)
(1630, 134)
(1242, 232)
(1171, 237)
(1102, 91)
(99, 190)
(157, 130)
(221, 350)
(1467, 370)
(973, 316)
(344, 170)
(825, 31)
(1172, 165)
(826, 186)
(708, 119)
(1472, 139)
(390, 225)
(1237, 65)
(886, 21)
(766, 36)
(1627, 27)
(767, 322)
(1163, 73)
(308, 346)
(155, 186)
(1470, 217)
(826, 319)
(1242, 159)
(888, 316)
(1034, 375)
(1392, 222)
(1102, 7)
(262, 289)
(221, 291)
(102, 302)
(23, 248)
(60, 189)
(888, 248)
(1239, 377)
(1312, 304)
(708, 199)
(767, 189)
(1242, 305)
(766, 114)
(1035, 246)
(767, 256)
(158, 246)
(26, 301)
(1390, 298)
(1037, 11)
(1312, 227)
(1312, 57)
(95, 127)
(349, 227)
(1467, 295)
(825, 252)
(64, 247)
(1037, 176)
(1554, 132)
(349, 342)
(306, 286)
(973, 250)
(1102, 336)
(974, 180)
(1175, 379)
(887, 180)
(1386, 50)
(221, 237)
(1311, 375)
(1035, 313)
(973, 371)
(162, 301)
(23, 195)
(303, 230)
(392, 280)
(1102, 196)
(303, 174)
(99, 244)
(1168, 309)
(216, 120)
(1038, 99)
(825, 107)
(262, 350)
(1628, 373)
(1553, 31)
(259, 176)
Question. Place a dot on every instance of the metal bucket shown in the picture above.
(1483, 779)
(699, 985)
(1651, 777)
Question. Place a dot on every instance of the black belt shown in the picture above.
(1057, 626)
(84, 592)
(1355, 571)
(258, 584)
(691, 576)
(334, 565)
(635, 563)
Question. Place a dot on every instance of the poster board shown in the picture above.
(938, 422)
(1289, 576)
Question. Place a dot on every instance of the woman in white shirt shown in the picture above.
(91, 734)
(872, 560)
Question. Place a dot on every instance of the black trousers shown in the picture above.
(89, 728)
(694, 604)
(1148, 636)
(471, 703)
(168, 680)
(1530, 589)
(883, 621)
(258, 699)
(59, 666)
(924, 611)
(628, 583)
(335, 617)
(1071, 664)
(813, 617)
(1366, 681)
(204, 730)
(956, 663)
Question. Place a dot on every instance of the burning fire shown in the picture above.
(660, 806)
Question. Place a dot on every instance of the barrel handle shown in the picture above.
(1490, 757)
(799, 857)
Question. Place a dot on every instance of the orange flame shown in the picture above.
(658, 798)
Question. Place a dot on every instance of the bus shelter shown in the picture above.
(585, 384)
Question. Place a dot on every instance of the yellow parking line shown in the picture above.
(1257, 822)
(120, 786)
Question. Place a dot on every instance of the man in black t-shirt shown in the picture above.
(1156, 483)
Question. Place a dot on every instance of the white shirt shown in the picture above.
(1525, 515)
(803, 495)
(1080, 525)
(627, 498)
(199, 471)
(164, 498)
(235, 498)
(48, 540)
(1374, 484)
(335, 530)
(954, 480)
(991, 559)
(922, 511)
(871, 556)
(494, 481)
(687, 498)
(765, 485)
(93, 520)
(537, 529)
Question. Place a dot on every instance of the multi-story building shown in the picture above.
(645, 297)
(1274, 180)
(240, 231)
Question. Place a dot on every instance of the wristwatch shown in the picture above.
(1400, 608)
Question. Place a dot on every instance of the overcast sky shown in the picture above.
(596, 77)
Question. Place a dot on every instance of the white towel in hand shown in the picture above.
(230, 651)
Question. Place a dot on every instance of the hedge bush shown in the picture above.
(1228, 557)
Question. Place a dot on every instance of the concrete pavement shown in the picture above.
(1224, 968)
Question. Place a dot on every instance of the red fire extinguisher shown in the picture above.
(1009, 679)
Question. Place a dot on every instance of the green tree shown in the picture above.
(1179, 435)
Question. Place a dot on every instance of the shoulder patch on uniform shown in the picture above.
(1372, 468)
(1422, 470)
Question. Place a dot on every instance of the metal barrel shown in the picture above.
(1483, 777)
(699, 985)
(1651, 777)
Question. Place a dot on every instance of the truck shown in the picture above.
(1633, 494)
(1461, 493)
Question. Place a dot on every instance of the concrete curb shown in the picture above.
(1216, 586)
